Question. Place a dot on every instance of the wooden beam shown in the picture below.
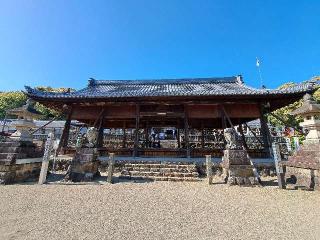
(99, 117)
(65, 134)
(226, 116)
(266, 136)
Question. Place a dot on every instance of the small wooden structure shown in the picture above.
(184, 104)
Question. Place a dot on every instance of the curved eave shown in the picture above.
(276, 98)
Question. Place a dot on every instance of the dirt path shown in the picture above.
(157, 210)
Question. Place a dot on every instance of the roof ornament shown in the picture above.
(92, 82)
(240, 79)
(308, 98)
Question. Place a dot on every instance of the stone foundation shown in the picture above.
(19, 161)
(84, 166)
(237, 168)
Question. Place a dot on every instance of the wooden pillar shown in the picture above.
(178, 137)
(124, 138)
(186, 131)
(146, 133)
(266, 136)
(136, 133)
(223, 117)
(65, 134)
(100, 132)
(202, 136)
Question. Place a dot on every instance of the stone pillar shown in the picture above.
(46, 158)
(279, 168)
(209, 168)
(236, 162)
(110, 167)
(85, 164)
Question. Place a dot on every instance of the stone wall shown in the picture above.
(11, 172)
(19, 160)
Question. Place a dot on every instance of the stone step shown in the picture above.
(16, 144)
(161, 171)
(10, 144)
(167, 165)
(183, 170)
(171, 174)
(18, 155)
(162, 178)
(9, 149)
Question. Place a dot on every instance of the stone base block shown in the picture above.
(235, 157)
(84, 166)
(302, 177)
(240, 175)
(83, 171)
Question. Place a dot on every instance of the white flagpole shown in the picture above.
(258, 66)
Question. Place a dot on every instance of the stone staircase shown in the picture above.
(160, 171)
(19, 150)
(10, 151)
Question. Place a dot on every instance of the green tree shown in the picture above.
(9, 100)
(284, 112)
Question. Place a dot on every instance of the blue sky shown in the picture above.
(63, 43)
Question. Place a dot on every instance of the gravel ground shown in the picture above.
(157, 210)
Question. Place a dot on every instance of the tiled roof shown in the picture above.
(226, 86)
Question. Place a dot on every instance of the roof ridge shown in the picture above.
(232, 79)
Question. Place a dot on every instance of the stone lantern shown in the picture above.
(303, 168)
(24, 123)
(310, 111)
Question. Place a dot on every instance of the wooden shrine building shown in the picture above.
(183, 104)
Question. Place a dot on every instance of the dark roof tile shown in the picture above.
(226, 86)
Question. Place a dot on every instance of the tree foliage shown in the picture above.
(10, 100)
(284, 112)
